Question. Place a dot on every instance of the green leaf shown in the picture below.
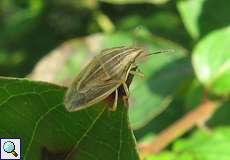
(170, 156)
(135, 1)
(195, 95)
(200, 146)
(162, 121)
(169, 69)
(221, 116)
(159, 87)
(206, 146)
(33, 111)
(202, 16)
(191, 19)
(156, 23)
(211, 61)
(162, 156)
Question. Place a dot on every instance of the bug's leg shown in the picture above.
(126, 89)
(137, 73)
(134, 65)
(126, 101)
(114, 107)
(126, 97)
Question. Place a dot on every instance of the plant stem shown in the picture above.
(196, 117)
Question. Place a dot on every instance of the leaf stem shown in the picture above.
(196, 117)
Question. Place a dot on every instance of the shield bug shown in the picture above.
(102, 76)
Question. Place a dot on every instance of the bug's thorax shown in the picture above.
(117, 63)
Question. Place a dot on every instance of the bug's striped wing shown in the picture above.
(76, 100)
(111, 64)
(100, 77)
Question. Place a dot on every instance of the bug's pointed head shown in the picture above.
(135, 53)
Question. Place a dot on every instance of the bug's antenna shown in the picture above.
(160, 51)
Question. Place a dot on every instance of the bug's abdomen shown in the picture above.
(89, 96)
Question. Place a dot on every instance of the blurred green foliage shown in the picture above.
(198, 30)
(29, 29)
